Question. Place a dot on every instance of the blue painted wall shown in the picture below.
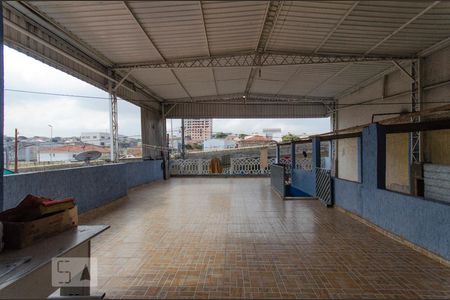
(143, 172)
(347, 194)
(294, 192)
(304, 181)
(90, 186)
(423, 222)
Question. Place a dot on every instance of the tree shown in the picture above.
(242, 135)
(290, 137)
(220, 135)
(197, 146)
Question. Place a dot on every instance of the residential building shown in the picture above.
(28, 152)
(273, 133)
(175, 143)
(198, 129)
(95, 138)
(133, 152)
(254, 140)
(218, 144)
(68, 152)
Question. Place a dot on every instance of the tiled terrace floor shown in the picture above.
(219, 237)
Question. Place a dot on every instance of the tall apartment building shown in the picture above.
(198, 129)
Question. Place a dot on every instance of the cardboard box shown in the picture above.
(18, 235)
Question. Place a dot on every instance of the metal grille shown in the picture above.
(323, 186)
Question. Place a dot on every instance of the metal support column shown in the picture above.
(165, 145)
(334, 142)
(114, 124)
(183, 148)
(415, 137)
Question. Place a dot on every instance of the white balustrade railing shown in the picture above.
(238, 166)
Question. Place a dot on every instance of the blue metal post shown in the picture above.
(374, 157)
(315, 163)
(277, 154)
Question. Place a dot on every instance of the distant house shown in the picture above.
(255, 140)
(96, 138)
(218, 144)
(68, 152)
(133, 152)
(28, 153)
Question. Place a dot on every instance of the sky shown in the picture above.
(32, 113)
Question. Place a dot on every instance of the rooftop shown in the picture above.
(74, 149)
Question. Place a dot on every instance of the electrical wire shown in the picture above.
(107, 98)
(57, 94)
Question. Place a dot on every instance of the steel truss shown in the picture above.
(256, 59)
(114, 138)
(415, 137)
(254, 98)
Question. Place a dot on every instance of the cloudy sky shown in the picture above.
(69, 116)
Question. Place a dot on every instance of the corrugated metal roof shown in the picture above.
(233, 26)
(302, 26)
(176, 27)
(105, 25)
(155, 31)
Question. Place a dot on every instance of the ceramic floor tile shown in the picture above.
(210, 238)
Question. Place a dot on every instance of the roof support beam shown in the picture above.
(402, 27)
(122, 81)
(348, 12)
(329, 78)
(272, 13)
(403, 70)
(130, 11)
(366, 82)
(58, 49)
(322, 42)
(436, 47)
(396, 62)
(266, 98)
(255, 59)
(207, 44)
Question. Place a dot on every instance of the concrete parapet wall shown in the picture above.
(91, 186)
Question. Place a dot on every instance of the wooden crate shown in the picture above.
(18, 235)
